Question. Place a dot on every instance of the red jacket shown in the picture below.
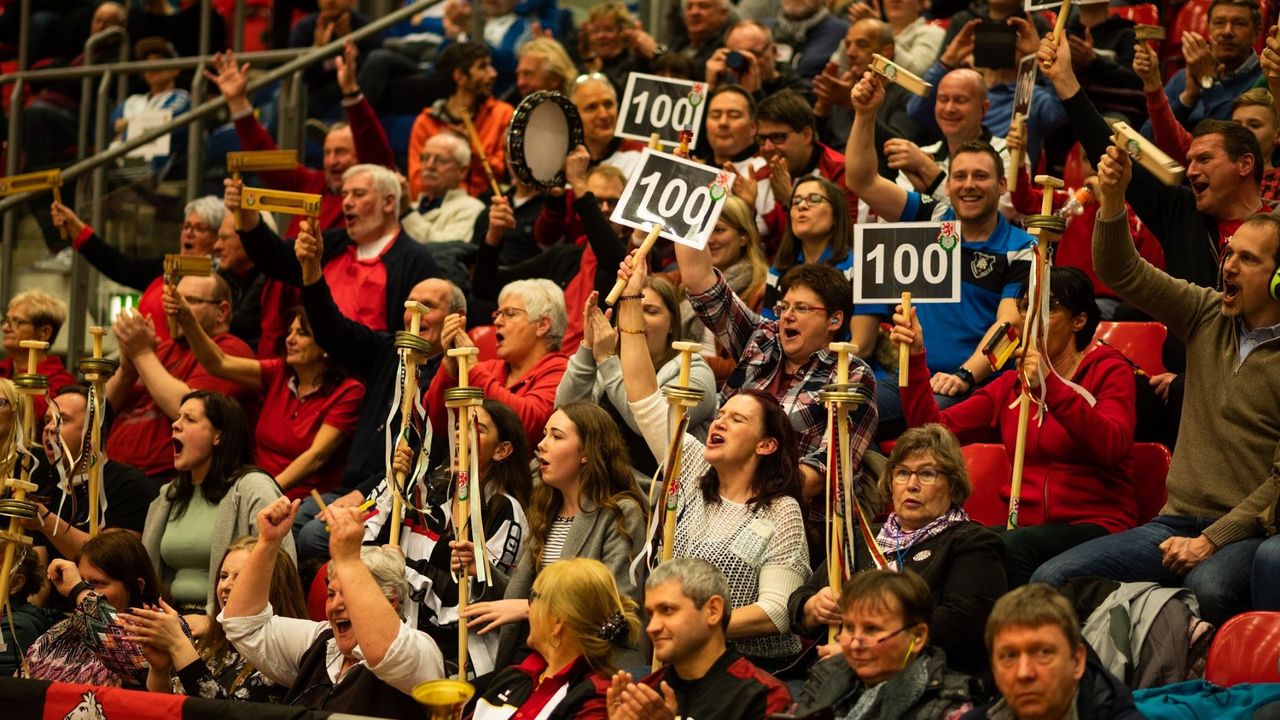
(372, 146)
(533, 397)
(491, 123)
(1079, 461)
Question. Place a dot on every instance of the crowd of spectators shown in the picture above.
(257, 430)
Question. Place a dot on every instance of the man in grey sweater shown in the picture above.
(1222, 484)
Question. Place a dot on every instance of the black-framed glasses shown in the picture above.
(776, 138)
(195, 300)
(607, 203)
(809, 200)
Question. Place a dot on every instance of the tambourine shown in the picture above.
(544, 130)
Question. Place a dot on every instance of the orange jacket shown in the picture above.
(491, 123)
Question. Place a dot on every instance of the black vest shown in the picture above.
(359, 692)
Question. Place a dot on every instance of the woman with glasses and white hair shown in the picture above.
(930, 534)
(34, 315)
(201, 219)
(887, 669)
(364, 658)
(529, 324)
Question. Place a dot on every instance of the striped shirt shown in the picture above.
(555, 540)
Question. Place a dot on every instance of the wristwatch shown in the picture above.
(963, 373)
(79, 588)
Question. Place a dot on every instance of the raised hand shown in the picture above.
(1270, 57)
(960, 52)
(1115, 169)
(576, 166)
(1082, 49)
(1201, 64)
(63, 575)
(346, 534)
(1055, 63)
(1028, 40)
(276, 520)
(597, 333)
(232, 198)
(65, 219)
(859, 10)
(176, 307)
(868, 94)
(307, 249)
(135, 334)
(346, 67)
(907, 330)
(744, 186)
(1146, 65)
(1029, 360)
(780, 180)
(232, 80)
(832, 88)
(501, 219)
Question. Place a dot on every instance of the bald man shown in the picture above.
(961, 103)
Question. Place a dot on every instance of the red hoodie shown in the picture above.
(1079, 461)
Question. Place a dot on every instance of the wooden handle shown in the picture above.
(843, 350)
(1063, 12)
(1047, 184)
(480, 153)
(641, 256)
(98, 333)
(416, 311)
(1015, 158)
(35, 348)
(64, 232)
(686, 350)
(904, 349)
(464, 357)
(655, 142)
(235, 178)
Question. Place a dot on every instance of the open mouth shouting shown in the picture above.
(177, 450)
(1230, 291)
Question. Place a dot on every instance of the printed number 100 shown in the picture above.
(673, 198)
(907, 263)
(664, 112)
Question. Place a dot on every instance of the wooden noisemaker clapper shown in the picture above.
(97, 370)
(35, 182)
(904, 349)
(177, 267)
(840, 397)
(641, 255)
(248, 161)
(464, 398)
(16, 506)
(1047, 228)
(412, 350)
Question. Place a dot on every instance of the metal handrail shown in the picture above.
(300, 59)
(211, 106)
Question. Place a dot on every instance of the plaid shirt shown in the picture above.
(755, 341)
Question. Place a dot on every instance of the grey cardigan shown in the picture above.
(585, 380)
(237, 516)
(593, 534)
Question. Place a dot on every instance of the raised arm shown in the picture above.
(253, 586)
(373, 619)
(861, 173)
(1169, 134)
(372, 145)
(136, 336)
(243, 371)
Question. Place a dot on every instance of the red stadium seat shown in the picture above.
(1141, 342)
(318, 593)
(988, 465)
(1150, 467)
(1193, 17)
(1245, 650)
(1073, 168)
(485, 338)
(1144, 14)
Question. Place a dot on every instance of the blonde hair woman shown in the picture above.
(8, 428)
(577, 619)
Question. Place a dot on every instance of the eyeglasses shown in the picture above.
(607, 203)
(196, 227)
(926, 476)
(1054, 305)
(782, 308)
(774, 138)
(810, 200)
(14, 322)
(508, 313)
(194, 300)
(871, 641)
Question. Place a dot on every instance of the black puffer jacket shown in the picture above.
(832, 684)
